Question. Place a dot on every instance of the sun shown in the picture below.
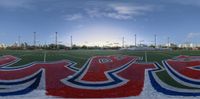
(99, 35)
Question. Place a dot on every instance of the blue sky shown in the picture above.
(100, 22)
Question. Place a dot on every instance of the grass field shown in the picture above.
(80, 56)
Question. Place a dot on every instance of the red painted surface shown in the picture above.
(7, 59)
(134, 73)
(97, 68)
(55, 72)
(184, 64)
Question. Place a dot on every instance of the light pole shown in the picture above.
(19, 40)
(56, 40)
(123, 42)
(168, 42)
(135, 40)
(71, 41)
(34, 40)
(155, 40)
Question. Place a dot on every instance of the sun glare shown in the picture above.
(99, 36)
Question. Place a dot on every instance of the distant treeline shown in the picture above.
(25, 46)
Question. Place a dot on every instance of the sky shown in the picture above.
(100, 22)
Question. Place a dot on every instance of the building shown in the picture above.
(171, 45)
(188, 45)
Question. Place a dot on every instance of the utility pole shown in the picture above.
(155, 40)
(71, 41)
(135, 40)
(56, 40)
(123, 42)
(168, 42)
(66, 41)
(34, 39)
(19, 40)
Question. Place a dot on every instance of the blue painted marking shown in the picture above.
(116, 79)
(26, 90)
(196, 67)
(180, 77)
(159, 88)
(71, 66)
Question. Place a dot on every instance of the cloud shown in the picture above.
(118, 16)
(73, 17)
(119, 11)
(186, 2)
(130, 9)
(106, 9)
(192, 35)
(16, 3)
(97, 13)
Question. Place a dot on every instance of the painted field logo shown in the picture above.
(37, 75)
(101, 76)
(182, 76)
(114, 78)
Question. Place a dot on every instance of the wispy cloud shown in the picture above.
(16, 3)
(187, 2)
(192, 35)
(73, 17)
(106, 9)
(118, 11)
(130, 9)
(98, 13)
